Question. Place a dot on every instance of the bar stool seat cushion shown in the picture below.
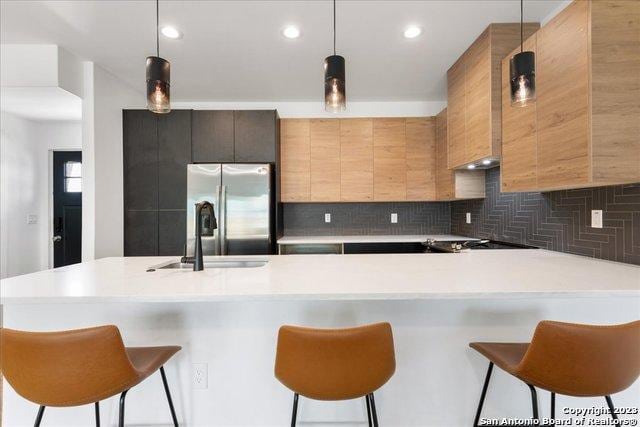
(147, 360)
(506, 355)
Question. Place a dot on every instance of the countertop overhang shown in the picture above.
(385, 238)
(482, 274)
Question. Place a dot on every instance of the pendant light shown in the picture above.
(335, 96)
(522, 67)
(158, 76)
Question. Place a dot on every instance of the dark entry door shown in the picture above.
(67, 207)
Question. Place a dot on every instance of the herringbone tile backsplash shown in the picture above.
(558, 220)
(307, 219)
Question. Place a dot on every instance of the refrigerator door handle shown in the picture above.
(223, 220)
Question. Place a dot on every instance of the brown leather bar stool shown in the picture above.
(570, 359)
(78, 367)
(335, 364)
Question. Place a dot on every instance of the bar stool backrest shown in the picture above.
(335, 364)
(66, 368)
(582, 360)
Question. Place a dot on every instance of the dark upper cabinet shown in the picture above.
(212, 136)
(174, 154)
(140, 153)
(141, 233)
(255, 136)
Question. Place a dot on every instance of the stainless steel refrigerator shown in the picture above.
(243, 200)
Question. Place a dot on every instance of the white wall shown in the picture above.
(105, 96)
(25, 147)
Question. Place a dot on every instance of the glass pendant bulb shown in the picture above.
(335, 96)
(158, 85)
(522, 69)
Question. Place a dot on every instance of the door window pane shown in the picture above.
(73, 177)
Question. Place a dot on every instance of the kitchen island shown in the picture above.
(228, 318)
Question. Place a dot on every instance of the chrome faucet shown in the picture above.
(208, 223)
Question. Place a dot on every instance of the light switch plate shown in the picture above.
(200, 376)
(596, 218)
(32, 219)
(327, 217)
(468, 217)
(394, 218)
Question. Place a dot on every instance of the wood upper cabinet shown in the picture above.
(420, 135)
(389, 160)
(358, 160)
(583, 130)
(324, 139)
(474, 95)
(453, 184)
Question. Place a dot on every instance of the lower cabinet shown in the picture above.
(141, 233)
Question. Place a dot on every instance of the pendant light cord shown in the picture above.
(521, 25)
(158, 28)
(334, 27)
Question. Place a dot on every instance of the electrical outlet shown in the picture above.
(394, 218)
(200, 376)
(468, 217)
(32, 219)
(327, 217)
(596, 218)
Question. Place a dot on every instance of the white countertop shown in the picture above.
(515, 273)
(387, 238)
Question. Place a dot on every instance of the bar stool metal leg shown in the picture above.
(374, 413)
(366, 398)
(166, 390)
(534, 401)
(294, 415)
(483, 394)
(39, 416)
(97, 404)
(553, 406)
(121, 414)
(611, 408)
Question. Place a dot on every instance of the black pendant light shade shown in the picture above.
(158, 76)
(335, 95)
(523, 78)
(158, 85)
(522, 72)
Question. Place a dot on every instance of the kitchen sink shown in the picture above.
(177, 265)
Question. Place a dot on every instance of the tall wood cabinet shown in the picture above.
(584, 128)
(473, 95)
(454, 184)
(358, 160)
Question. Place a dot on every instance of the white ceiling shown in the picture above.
(41, 103)
(234, 50)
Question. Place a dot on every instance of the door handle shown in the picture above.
(223, 220)
(56, 238)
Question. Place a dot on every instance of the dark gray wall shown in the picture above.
(558, 220)
(307, 219)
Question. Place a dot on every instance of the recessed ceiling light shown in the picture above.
(471, 166)
(412, 32)
(291, 32)
(171, 32)
(486, 162)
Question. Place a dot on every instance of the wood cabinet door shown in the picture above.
(519, 163)
(255, 136)
(356, 160)
(212, 136)
(444, 176)
(562, 74)
(295, 160)
(140, 155)
(421, 158)
(477, 99)
(174, 154)
(456, 114)
(389, 160)
(325, 160)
